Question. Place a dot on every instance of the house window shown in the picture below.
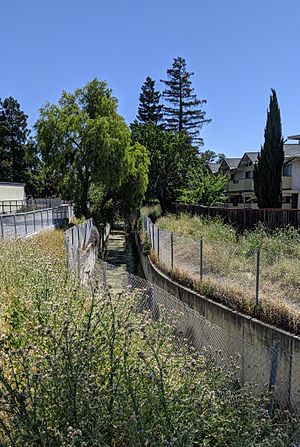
(287, 170)
(249, 174)
(286, 199)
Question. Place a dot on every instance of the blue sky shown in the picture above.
(238, 49)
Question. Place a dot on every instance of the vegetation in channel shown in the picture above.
(81, 369)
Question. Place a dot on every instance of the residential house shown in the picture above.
(240, 188)
(213, 167)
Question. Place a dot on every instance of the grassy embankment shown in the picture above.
(230, 265)
(80, 369)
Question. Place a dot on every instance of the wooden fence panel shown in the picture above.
(246, 218)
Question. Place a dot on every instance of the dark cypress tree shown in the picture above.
(185, 112)
(13, 137)
(268, 170)
(150, 109)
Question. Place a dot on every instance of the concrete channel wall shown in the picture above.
(252, 340)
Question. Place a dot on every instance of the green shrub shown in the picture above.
(153, 212)
(193, 226)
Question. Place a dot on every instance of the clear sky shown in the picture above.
(238, 49)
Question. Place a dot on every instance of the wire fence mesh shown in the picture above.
(245, 277)
(271, 370)
(77, 240)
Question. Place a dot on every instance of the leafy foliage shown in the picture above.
(204, 188)
(211, 156)
(268, 170)
(185, 111)
(85, 143)
(89, 370)
(171, 157)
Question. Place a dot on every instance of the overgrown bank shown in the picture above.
(89, 370)
(230, 265)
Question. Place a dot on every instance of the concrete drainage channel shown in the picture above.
(265, 355)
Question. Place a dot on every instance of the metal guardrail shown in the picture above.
(21, 206)
(30, 222)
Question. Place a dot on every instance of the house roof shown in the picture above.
(232, 162)
(291, 150)
(252, 155)
(294, 137)
(12, 184)
(214, 167)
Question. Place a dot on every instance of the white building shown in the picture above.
(12, 191)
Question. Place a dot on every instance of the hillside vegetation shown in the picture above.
(91, 369)
(229, 265)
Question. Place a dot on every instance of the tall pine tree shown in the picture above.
(185, 112)
(268, 170)
(13, 137)
(150, 109)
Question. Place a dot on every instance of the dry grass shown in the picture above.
(230, 266)
(80, 369)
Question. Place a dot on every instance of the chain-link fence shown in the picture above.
(266, 368)
(25, 224)
(77, 240)
(246, 278)
(273, 371)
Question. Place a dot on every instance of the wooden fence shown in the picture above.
(246, 218)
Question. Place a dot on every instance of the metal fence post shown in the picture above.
(104, 277)
(172, 251)
(2, 228)
(201, 259)
(42, 224)
(158, 243)
(33, 215)
(48, 218)
(153, 235)
(66, 240)
(257, 277)
(78, 235)
(15, 225)
(78, 262)
(273, 375)
(25, 223)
